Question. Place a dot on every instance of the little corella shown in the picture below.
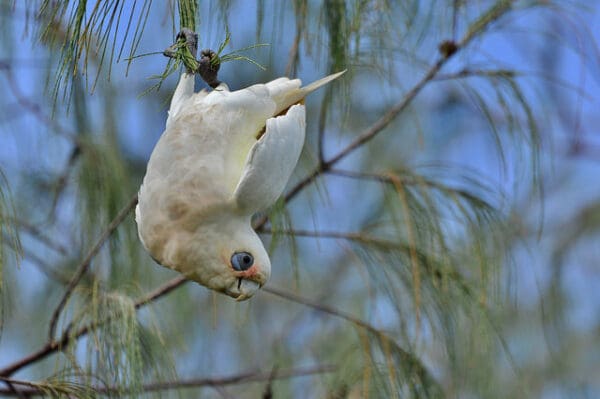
(223, 156)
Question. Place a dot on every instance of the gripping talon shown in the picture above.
(208, 67)
(208, 64)
(191, 40)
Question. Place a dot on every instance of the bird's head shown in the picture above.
(233, 261)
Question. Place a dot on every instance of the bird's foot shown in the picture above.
(209, 62)
(187, 36)
(208, 67)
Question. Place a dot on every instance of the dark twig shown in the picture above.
(12, 382)
(236, 379)
(341, 235)
(12, 389)
(161, 291)
(268, 392)
(320, 307)
(85, 263)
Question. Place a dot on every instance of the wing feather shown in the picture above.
(271, 161)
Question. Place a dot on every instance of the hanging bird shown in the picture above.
(223, 156)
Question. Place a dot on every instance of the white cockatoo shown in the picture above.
(223, 156)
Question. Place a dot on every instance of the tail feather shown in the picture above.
(287, 92)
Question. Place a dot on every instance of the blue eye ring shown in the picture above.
(241, 261)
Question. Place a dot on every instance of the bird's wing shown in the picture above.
(271, 161)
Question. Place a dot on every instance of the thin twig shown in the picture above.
(12, 389)
(12, 382)
(320, 307)
(161, 291)
(472, 73)
(236, 379)
(85, 263)
(314, 234)
(383, 178)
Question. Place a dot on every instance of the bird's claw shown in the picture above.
(191, 40)
(208, 67)
(208, 64)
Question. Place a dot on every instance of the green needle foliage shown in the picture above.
(83, 31)
(397, 249)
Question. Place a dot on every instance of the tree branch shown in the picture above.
(33, 389)
(161, 291)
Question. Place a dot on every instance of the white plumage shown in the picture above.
(211, 170)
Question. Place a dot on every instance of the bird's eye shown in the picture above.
(242, 261)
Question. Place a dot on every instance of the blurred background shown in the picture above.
(439, 237)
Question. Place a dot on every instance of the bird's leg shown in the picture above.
(208, 67)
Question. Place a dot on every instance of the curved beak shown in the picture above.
(243, 289)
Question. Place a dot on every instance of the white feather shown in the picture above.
(271, 161)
